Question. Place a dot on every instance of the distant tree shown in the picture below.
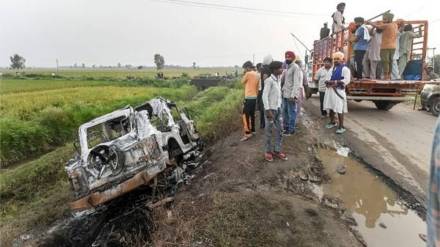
(17, 62)
(83, 65)
(194, 65)
(75, 65)
(159, 61)
(119, 65)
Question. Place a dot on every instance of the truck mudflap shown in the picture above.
(97, 198)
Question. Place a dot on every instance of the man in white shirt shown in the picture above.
(272, 99)
(338, 18)
(335, 99)
(322, 75)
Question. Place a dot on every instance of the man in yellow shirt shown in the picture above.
(250, 81)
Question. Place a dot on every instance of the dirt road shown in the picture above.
(396, 142)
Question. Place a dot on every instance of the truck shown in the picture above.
(383, 93)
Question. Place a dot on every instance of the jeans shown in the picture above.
(289, 115)
(273, 125)
(321, 103)
(261, 109)
(359, 66)
(249, 115)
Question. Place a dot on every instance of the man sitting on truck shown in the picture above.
(322, 75)
(335, 99)
(338, 18)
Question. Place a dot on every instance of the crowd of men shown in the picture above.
(381, 50)
(276, 89)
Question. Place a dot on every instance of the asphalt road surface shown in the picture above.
(396, 142)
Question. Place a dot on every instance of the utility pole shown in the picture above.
(57, 64)
(253, 58)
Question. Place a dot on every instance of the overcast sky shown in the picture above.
(105, 32)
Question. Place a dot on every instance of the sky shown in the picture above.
(108, 32)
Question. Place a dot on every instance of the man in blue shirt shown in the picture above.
(361, 38)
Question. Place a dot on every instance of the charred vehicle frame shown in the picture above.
(128, 148)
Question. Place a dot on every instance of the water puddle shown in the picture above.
(382, 218)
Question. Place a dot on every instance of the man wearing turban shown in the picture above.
(291, 91)
(335, 98)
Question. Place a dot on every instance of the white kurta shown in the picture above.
(332, 100)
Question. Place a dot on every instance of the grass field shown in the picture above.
(39, 120)
(122, 73)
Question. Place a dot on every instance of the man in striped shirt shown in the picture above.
(322, 75)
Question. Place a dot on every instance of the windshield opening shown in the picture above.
(108, 131)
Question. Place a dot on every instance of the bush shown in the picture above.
(20, 140)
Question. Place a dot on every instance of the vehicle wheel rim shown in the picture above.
(437, 106)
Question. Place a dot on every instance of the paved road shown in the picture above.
(397, 142)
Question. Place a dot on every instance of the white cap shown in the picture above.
(267, 59)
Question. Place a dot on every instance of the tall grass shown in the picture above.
(33, 123)
(28, 190)
(216, 111)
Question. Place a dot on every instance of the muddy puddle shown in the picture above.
(382, 218)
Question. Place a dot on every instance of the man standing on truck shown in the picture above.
(250, 81)
(338, 18)
(292, 82)
(374, 54)
(405, 45)
(335, 99)
(388, 45)
(322, 75)
(361, 39)
(325, 31)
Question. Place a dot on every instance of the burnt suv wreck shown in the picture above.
(129, 148)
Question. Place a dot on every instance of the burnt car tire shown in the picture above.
(435, 106)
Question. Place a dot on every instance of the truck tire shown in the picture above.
(435, 106)
(384, 105)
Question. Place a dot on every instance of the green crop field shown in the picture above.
(121, 73)
(39, 119)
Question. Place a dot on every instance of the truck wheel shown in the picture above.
(384, 105)
(435, 106)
